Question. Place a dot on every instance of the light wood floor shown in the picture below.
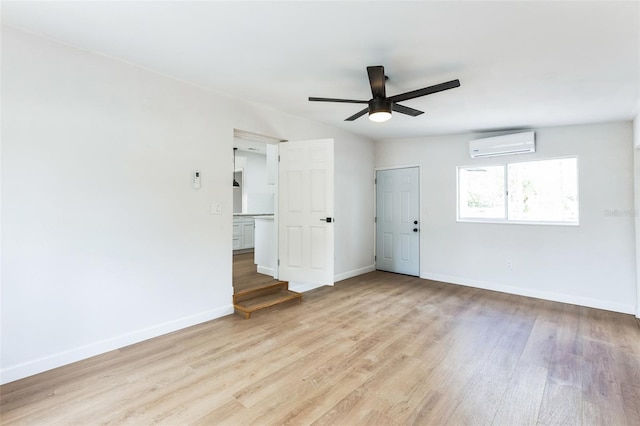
(376, 349)
(245, 274)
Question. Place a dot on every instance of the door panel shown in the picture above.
(397, 207)
(318, 244)
(294, 191)
(294, 245)
(305, 202)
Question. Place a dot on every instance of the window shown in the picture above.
(543, 191)
(482, 192)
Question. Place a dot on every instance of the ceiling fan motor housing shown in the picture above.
(380, 105)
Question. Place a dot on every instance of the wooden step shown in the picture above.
(259, 291)
(253, 300)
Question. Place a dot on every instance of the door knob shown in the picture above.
(415, 229)
(415, 222)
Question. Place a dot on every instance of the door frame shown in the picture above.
(375, 209)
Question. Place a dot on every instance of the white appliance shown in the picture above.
(517, 143)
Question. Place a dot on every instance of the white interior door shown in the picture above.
(397, 221)
(305, 212)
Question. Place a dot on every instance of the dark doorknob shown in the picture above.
(415, 222)
(415, 229)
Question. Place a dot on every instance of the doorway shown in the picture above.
(255, 204)
(294, 241)
(398, 220)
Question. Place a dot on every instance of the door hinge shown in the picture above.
(375, 220)
(278, 158)
(375, 181)
(278, 262)
(375, 258)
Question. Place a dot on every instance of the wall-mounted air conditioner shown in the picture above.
(517, 143)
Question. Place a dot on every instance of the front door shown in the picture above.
(305, 212)
(397, 221)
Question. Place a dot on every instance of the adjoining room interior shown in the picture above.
(255, 235)
(245, 274)
(445, 211)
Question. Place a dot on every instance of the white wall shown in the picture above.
(636, 179)
(354, 208)
(592, 264)
(259, 195)
(104, 241)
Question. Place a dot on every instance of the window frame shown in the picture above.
(506, 220)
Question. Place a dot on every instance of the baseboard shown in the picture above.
(545, 295)
(265, 271)
(50, 362)
(354, 273)
(302, 287)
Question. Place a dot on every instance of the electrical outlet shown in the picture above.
(509, 264)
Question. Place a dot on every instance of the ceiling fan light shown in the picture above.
(379, 116)
(379, 110)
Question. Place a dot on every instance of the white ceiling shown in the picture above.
(520, 64)
(247, 145)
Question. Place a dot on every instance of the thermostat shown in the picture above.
(196, 179)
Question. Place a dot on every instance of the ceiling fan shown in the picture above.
(380, 106)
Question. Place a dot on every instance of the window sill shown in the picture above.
(516, 222)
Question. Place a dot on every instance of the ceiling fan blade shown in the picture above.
(426, 91)
(358, 114)
(406, 110)
(376, 80)
(349, 101)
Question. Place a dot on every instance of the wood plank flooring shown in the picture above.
(245, 274)
(376, 349)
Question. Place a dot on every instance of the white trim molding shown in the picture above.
(354, 273)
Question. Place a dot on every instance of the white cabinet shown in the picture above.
(243, 232)
(248, 233)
